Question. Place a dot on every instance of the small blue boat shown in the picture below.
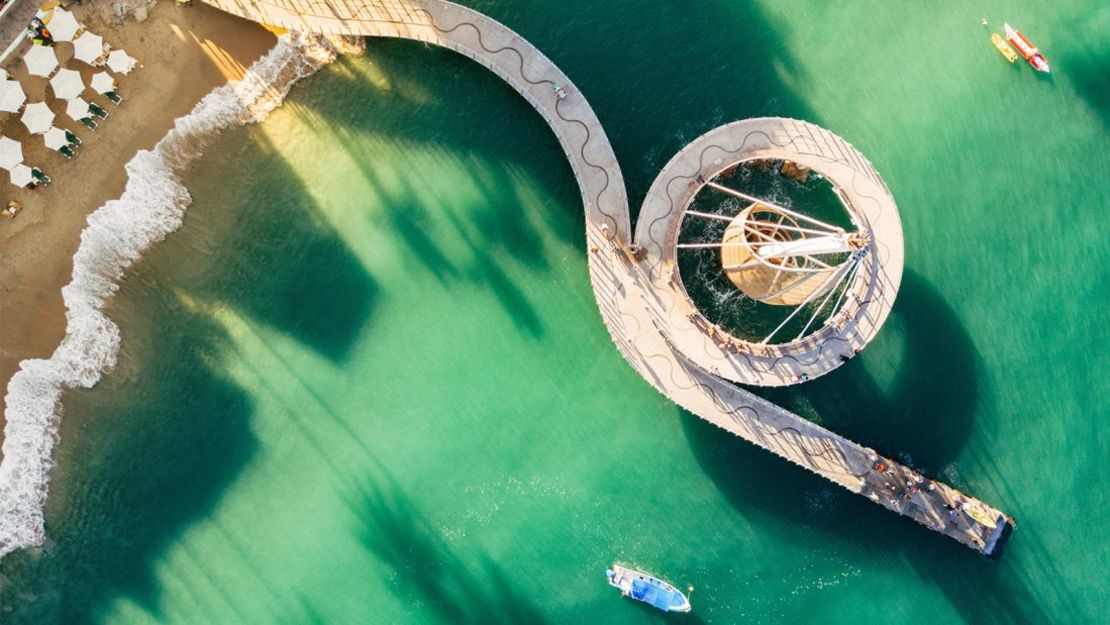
(645, 587)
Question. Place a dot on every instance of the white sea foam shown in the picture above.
(118, 233)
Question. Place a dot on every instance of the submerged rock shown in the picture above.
(761, 164)
(795, 171)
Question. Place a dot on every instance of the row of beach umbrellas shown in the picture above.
(90, 48)
(67, 85)
(11, 151)
(38, 118)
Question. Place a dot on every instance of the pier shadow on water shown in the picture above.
(924, 417)
(923, 412)
(1091, 74)
(150, 450)
(463, 237)
(278, 260)
(423, 570)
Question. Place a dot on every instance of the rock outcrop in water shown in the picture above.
(793, 170)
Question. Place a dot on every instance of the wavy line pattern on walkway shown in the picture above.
(637, 311)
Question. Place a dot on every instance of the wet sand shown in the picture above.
(184, 53)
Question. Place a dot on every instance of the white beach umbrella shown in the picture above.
(102, 82)
(11, 96)
(88, 47)
(78, 109)
(62, 25)
(40, 60)
(67, 84)
(11, 153)
(38, 118)
(120, 63)
(21, 175)
(55, 138)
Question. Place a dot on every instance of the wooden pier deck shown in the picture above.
(643, 314)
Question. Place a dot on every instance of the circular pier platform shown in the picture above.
(870, 290)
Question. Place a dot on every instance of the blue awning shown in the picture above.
(655, 595)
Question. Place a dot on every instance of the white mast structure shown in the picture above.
(781, 257)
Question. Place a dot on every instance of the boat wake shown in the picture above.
(118, 233)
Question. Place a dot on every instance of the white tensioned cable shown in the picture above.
(837, 275)
(847, 276)
(752, 198)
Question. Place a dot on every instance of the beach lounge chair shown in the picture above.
(104, 84)
(41, 177)
(80, 110)
(72, 138)
(99, 112)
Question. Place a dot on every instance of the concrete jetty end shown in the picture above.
(642, 300)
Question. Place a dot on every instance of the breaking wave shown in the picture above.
(118, 233)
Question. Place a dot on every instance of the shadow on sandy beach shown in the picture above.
(938, 378)
(422, 569)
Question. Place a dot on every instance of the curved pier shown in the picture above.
(637, 304)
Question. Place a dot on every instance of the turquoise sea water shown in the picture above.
(367, 382)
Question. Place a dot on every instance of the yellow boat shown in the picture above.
(980, 517)
(1004, 47)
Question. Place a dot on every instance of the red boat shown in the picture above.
(1027, 49)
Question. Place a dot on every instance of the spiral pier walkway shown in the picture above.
(645, 310)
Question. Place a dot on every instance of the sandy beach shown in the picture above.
(184, 52)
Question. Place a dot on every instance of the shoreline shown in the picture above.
(117, 233)
(37, 247)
